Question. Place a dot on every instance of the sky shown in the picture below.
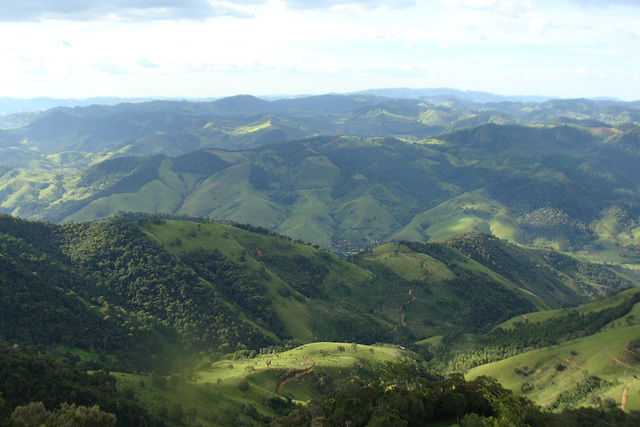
(210, 48)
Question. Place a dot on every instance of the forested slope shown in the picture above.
(134, 293)
(147, 295)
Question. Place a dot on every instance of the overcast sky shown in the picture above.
(210, 48)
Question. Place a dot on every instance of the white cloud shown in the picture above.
(511, 8)
(64, 43)
(314, 47)
(349, 5)
(110, 66)
(122, 10)
(146, 63)
(607, 3)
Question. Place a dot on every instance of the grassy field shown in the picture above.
(409, 265)
(541, 316)
(563, 375)
(473, 211)
(228, 391)
(334, 360)
(564, 368)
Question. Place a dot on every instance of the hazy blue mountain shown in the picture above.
(445, 93)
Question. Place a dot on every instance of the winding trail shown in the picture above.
(628, 350)
(623, 400)
(401, 308)
(286, 380)
(615, 359)
(425, 276)
(402, 323)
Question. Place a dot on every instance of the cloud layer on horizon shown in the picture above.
(122, 10)
(199, 48)
(345, 4)
(150, 10)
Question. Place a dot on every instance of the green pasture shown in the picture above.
(410, 265)
(598, 305)
(563, 368)
(473, 211)
(219, 393)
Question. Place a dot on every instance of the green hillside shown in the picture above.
(598, 367)
(267, 288)
(118, 276)
(189, 312)
(518, 183)
(254, 390)
(559, 174)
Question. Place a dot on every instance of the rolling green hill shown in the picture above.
(563, 187)
(559, 173)
(119, 276)
(595, 366)
(190, 312)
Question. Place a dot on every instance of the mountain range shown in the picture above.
(10, 105)
(371, 256)
(559, 173)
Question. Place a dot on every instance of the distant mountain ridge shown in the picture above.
(446, 93)
(9, 105)
(246, 121)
